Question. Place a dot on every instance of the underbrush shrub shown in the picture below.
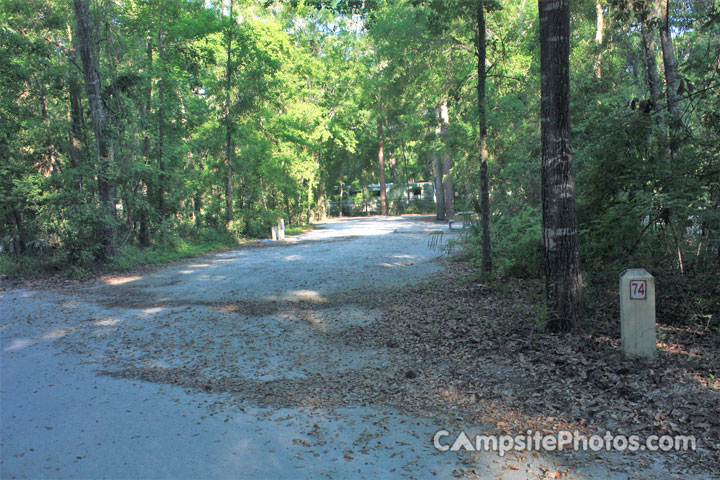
(184, 242)
(419, 207)
(11, 264)
(79, 235)
(258, 224)
(687, 296)
(167, 235)
(235, 229)
(517, 244)
(69, 244)
(214, 235)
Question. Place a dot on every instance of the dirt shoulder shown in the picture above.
(480, 352)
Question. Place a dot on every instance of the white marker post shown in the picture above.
(637, 313)
(281, 228)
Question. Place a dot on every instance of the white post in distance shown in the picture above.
(281, 228)
(637, 313)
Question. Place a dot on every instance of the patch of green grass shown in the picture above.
(131, 257)
(298, 229)
(172, 249)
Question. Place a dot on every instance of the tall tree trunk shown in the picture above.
(160, 145)
(599, 27)
(381, 167)
(648, 34)
(228, 178)
(448, 188)
(405, 170)
(321, 213)
(48, 166)
(228, 125)
(288, 210)
(393, 167)
(197, 206)
(74, 113)
(309, 201)
(653, 82)
(147, 190)
(563, 278)
(75, 139)
(18, 240)
(482, 127)
(671, 74)
(341, 198)
(100, 123)
(439, 193)
(148, 100)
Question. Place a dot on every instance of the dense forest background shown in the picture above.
(217, 117)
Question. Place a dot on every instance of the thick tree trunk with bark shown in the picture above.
(560, 233)
(671, 74)
(381, 168)
(482, 127)
(197, 206)
(653, 82)
(228, 178)
(148, 187)
(160, 146)
(447, 162)
(393, 167)
(599, 27)
(228, 126)
(648, 34)
(18, 240)
(75, 139)
(74, 113)
(100, 123)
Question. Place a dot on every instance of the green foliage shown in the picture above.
(259, 224)
(221, 123)
(297, 229)
(78, 235)
(174, 94)
(81, 261)
(176, 248)
(518, 244)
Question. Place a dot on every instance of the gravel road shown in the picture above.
(230, 365)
